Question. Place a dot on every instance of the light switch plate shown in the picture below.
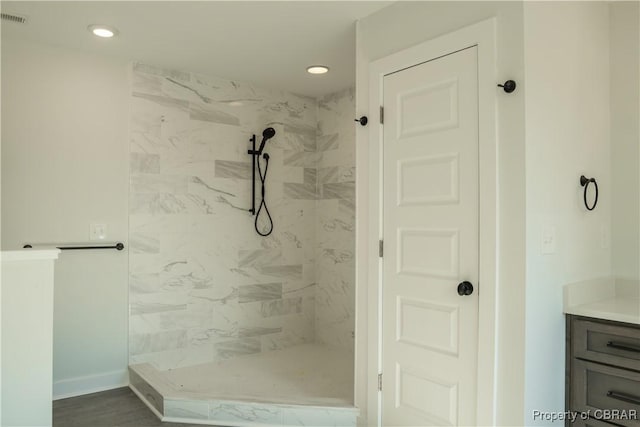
(97, 231)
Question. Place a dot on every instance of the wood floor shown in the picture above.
(113, 408)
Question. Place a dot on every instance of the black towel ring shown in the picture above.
(584, 181)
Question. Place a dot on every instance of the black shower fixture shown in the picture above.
(267, 134)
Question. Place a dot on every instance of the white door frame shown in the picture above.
(482, 35)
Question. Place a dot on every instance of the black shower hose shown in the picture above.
(263, 204)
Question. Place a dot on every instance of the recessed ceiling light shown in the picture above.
(317, 69)
(103, 31)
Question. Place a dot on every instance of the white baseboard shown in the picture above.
(90, 384)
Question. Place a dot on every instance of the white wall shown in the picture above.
(624, 58)
(398, 27)
(567, 135)
(64, 165)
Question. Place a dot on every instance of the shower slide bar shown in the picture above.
(119, 246)
(267, 134)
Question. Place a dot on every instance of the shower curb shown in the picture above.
(171, 405)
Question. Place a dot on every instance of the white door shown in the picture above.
(430, 231)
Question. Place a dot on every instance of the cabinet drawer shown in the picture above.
(596, 387)
(607, 343)
(588, 423)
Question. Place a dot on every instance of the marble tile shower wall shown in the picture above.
(203, 285)
(335, 233)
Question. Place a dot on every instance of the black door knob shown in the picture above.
(508, 86)
(465, 288)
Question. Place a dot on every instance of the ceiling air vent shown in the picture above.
(18, 19)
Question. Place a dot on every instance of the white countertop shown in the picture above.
(607, 299)
(30, 254)
(618, 309)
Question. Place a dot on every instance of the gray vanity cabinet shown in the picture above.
(603, 371)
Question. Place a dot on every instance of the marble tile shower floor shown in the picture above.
(309, 374)
(307, 385)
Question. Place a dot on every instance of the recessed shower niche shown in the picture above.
(227, 325)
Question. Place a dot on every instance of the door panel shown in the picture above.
(428, 180)
(430, 215)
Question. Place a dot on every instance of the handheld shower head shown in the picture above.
(267, 134)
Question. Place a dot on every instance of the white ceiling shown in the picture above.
(269, 43)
